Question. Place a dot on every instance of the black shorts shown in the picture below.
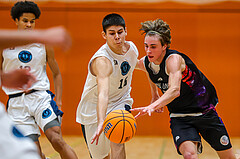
(209, 126)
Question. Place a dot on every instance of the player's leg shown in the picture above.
(46, 116)
(214, 132)
(18, 111)
(102, 149)
(35, 137)
(117, 151)
(54, 135)
(188, 149)
(226, 154)
(186, 137)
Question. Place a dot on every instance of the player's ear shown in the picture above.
(104, 35)
(16, 21)
(126, 30)
(164, 46)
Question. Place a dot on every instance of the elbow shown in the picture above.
(176, 92)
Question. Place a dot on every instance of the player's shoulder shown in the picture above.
(102, 51)
(132, 44)
(101, 54)
(133, 47)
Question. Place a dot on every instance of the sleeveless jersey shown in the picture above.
(32, 57)
(197, 94)
(120, 83)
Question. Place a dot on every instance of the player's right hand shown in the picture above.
(98, 132)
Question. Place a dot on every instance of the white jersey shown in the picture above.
(120, 83)
(32, 57)
(13, 144)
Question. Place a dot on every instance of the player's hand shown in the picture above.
(57, 36)
(98, 132)
(18, 79)
(143, 111)
(59, 103)
(160, 110)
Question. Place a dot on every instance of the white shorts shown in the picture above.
(30, 111)
(102, 149)
(13, 143)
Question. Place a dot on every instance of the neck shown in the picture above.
(159, 60)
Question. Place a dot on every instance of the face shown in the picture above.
(154, 49)
(115, 37)
(26, 21)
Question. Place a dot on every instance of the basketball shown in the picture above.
(119, 126)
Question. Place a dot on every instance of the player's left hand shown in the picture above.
(18, 79)
(95, 137)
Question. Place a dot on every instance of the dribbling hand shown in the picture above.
(98, 132)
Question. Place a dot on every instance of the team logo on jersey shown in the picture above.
(16, 132)
(25, 56)
(160, 79)
(46, 113)
(224, 140)
(177, 138)
(115, 62)
(125, 67)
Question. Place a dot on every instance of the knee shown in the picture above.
(190, 155)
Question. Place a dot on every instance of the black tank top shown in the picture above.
(197, 94)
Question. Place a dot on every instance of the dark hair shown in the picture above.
(112, 19)
(157, 27)
(24, 7)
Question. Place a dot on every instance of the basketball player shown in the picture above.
(35, 107)
(187, 93)
(107, 87)
(10, 136)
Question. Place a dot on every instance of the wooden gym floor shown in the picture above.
(137, 148)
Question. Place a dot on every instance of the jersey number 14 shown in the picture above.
(123, 83)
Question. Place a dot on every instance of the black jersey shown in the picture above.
(197, 94)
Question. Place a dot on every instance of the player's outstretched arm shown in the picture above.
(102, 68)
(56, 36)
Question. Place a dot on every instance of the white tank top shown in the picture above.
(120, 83)
(32, 57)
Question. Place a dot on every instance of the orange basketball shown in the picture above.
(119, 126)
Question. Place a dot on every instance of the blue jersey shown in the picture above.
(197, 94)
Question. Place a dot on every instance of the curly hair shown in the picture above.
(157, 27)
(24, 7)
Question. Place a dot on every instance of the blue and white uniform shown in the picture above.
(29, 110)
(119, 94)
